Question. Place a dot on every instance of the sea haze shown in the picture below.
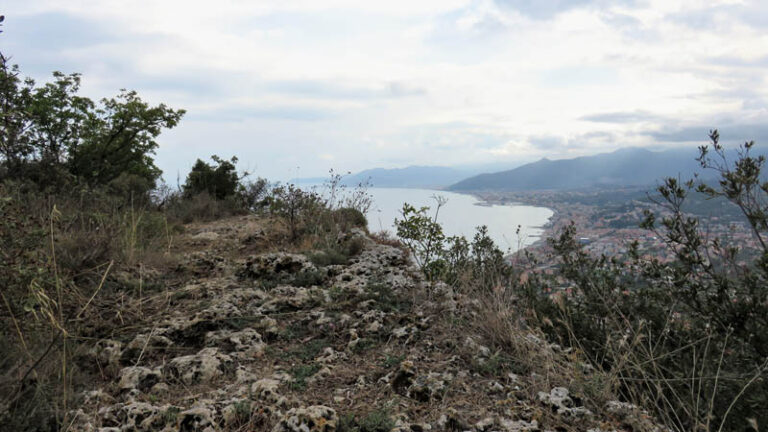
(461, 215)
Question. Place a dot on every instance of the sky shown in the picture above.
(294, 88)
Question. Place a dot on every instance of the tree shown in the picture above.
(120, 139)
(48, 132)
(424, 237)
(219, 181)
(15, 96)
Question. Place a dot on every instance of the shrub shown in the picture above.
(424, 237)
(219, 181)
(685, 338)
(375, 421)
(348, 217)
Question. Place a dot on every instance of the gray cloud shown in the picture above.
(547, 142)
(753, 13)
(55, 31)
(333, 90)
(239, 114)
(731, 61)
(621, 117)
(547, 9)
(729, 133)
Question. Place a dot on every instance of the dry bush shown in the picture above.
(72, 273)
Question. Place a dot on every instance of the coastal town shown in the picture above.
(608, 221)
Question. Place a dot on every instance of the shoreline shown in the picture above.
(547, 228)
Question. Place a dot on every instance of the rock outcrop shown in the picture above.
(271, 340)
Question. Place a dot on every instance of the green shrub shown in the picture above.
(219, 181)
(300, 374)
(348, 218)
(375, 421)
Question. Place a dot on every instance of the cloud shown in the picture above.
(622, 117)
(333, 90)
(239, 114)
(547, 142)
(547, 9)
(729, 133)
(280, 83)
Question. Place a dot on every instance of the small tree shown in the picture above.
(424, 237)
(220, 180)
(120, 139)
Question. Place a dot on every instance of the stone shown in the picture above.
(403, 378)
(243, 344)
(508, 425)
(195, 419)
(202, 367)
(207, 236)
(430, 386)
(266, 390)
(106, 353)
(139, 378)
(316, 418)
(274, 264)
(559, 401)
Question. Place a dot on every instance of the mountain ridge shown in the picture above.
(631, 166)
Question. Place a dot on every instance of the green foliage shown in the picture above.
(375, 421)
(389, 362)
(219, 181)
(424, 237)
(363, 345)
(348, 217)
(697, 324)
(452, 258)
(495, 365)
(385, 297)
(50, 135)
(300, 374)
(296, 207)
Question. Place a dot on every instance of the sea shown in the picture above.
(461, 215)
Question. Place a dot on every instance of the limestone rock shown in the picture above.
(315, 418)
(244, 344)
(202, 367)
(139, 378)
(430, 386)
(559, 400)
(275, 264)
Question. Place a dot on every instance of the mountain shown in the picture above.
(427, 177)
(624, 167)
(409, 177)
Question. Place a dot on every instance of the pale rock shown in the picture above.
(138, 377)
(266, 390)
(485, 424)
(243, 344)
(198, 418)
(430, 386)
(202, 367)
(316, 418)
(207, 236)
(508, 425)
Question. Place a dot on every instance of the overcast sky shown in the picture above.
(294, 88)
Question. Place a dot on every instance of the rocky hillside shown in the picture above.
(258, 339)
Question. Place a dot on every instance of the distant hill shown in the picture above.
(427, 177)
(624, 167)
(409, 177)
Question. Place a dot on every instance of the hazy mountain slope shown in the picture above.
(408, 177)
(413, 176)
(625, 167)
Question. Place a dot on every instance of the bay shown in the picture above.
(461, 214)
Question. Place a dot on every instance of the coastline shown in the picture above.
(547, 228)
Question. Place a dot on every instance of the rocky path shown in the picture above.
(271, 341)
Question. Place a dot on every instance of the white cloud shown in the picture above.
(405, 82)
